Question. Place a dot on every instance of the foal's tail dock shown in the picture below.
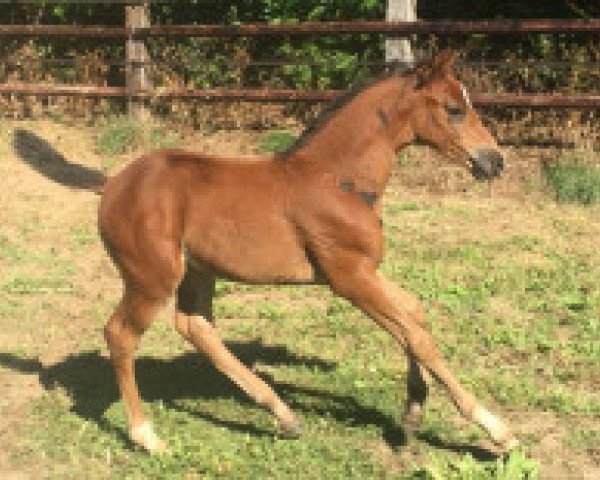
(45, 159)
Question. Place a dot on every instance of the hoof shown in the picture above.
(291, 429)
(496, 429)
(144, 436)
(510, 444)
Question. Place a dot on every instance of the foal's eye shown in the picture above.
(455, 114)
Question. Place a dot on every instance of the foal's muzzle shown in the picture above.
(486, 164)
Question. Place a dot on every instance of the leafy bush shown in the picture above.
(120, 136)
(316, 62)
(514, 467)
(161, 138)
(277, 141)
(574, 181)
(124, 135)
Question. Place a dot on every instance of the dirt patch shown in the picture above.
(545, 436)
(549, 436)
(18, 391)
(37, 211)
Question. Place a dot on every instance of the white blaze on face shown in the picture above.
(466, 96)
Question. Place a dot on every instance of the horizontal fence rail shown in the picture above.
(63, 31)
(291, 95)
(280, 62)
(445, 27)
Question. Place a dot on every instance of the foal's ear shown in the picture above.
(423, 74)
(441, 64)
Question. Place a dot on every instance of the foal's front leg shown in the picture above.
(418, 377)
(416, 394)
(363, 285)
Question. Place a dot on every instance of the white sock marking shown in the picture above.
(143, 434)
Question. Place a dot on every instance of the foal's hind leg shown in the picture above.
(193, 321)
(123, 332)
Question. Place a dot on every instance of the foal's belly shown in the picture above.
(250, 248)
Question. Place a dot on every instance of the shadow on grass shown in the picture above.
(476, 452)
(89, 379)
(45, 159)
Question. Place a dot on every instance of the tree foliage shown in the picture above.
(318, 62)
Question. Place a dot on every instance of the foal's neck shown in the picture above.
(359, 142)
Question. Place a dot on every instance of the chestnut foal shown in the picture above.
(174, 221)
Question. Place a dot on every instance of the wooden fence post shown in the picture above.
(136, 53)
(399, 49)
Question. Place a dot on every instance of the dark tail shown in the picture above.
(43, 158)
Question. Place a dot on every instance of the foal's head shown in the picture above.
(444, 118)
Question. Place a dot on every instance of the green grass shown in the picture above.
(123, 135)
(583, 438)
(159, 137)
(574, 181)
(515, 467)
(83, 236)
(515, 310)
(120, 136)
(277, 141)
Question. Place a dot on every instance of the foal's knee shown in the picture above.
(412, 306)
(406, 301)
(201, 329)
(423, 346)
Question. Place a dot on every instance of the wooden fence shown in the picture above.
(138, 29)
(440, 27)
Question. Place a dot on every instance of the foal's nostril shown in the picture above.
(478, 169)
(498, 163)
(487, 163)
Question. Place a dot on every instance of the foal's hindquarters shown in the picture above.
(143, 217)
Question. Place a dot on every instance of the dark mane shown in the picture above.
(332, 107)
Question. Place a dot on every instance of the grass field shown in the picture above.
(511, 285)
